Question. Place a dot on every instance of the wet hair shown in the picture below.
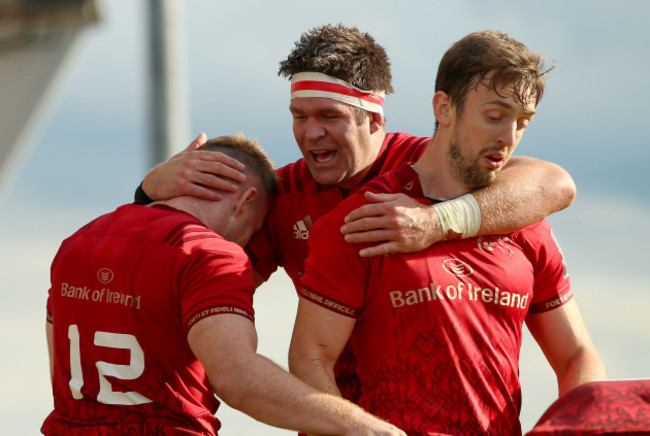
(343, 52)
(250, 153)
(495, 60)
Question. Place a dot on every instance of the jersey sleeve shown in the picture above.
(216, 282)
(552, 287)
(335, 275)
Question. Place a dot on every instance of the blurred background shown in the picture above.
(80, 102)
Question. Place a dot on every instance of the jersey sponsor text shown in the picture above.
(103, 295)
(460, 291)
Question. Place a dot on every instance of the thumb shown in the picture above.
(374, 197)
(198, 142)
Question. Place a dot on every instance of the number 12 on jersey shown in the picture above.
(132, 371)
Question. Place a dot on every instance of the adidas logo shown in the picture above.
(301, 228)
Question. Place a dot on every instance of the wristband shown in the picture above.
(141, 197)
(460, 218)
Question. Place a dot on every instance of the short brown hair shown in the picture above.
(250, 153)
(494, 59)
(343, 52)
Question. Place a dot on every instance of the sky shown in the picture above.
(90, 151)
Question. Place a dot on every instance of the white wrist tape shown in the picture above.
(460, 218)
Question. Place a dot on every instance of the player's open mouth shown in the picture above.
(323, 156)
(495, 160)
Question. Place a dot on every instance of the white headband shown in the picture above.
(321, 85)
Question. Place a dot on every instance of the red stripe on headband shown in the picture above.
(313, 85)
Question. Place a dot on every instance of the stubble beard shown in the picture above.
(468, 171)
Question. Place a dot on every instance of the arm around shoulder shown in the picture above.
(547, 177)
(526, 191)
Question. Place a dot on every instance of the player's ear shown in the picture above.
(245, 200)
(376, 121)
(442, 107)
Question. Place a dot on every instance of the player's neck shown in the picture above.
(435, 174)
(196, 207)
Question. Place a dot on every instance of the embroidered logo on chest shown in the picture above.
(457, 267)
(300, 229)
(496, 245)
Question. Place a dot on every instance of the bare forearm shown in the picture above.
(319, 337)
(584, 367)
(271, 395)
(564, 339)
(313, 372)
(525, 192)
(226, 346)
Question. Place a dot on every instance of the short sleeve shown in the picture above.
(335, 276)
(216, 282)
(552, 286)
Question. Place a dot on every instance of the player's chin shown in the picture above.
(485, 179)
(328, 178)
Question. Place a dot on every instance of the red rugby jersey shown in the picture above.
(438, 332)
(126, 289)
(283, 241)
